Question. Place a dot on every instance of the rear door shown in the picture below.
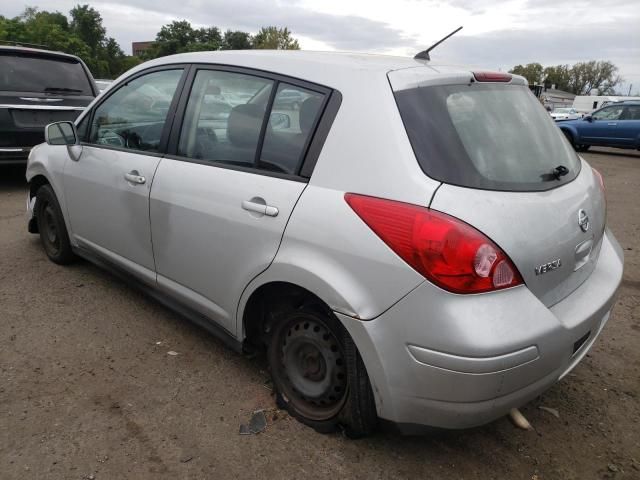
(629, 126)
(107, 187)
(220, 202)
(507, 171)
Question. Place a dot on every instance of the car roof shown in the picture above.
(38, 52)
(335, 69)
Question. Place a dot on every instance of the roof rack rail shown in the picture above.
(424, 55)
(15, 43)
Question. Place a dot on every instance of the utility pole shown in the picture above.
(629, 94)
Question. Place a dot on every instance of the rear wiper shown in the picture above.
(62, 89)
(559, 171)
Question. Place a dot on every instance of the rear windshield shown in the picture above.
(493, 137)
(28, 73)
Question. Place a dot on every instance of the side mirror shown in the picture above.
(588, 118)
(61, 133)
(280, 121)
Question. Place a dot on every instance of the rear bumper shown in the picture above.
(458, 361)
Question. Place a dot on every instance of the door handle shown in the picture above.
(613, 124)
(256, 205)
(134, 177)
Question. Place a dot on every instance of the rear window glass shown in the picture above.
(494, 137)
(27, 73)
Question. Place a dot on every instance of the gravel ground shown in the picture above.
(88, 389)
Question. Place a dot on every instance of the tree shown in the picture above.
(600, 76)
(236, 40)
(274, 38)
(580, 79)
(83, 36)
(559, 75)
(533, 72)
(86, 23)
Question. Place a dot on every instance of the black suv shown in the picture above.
(38, 87)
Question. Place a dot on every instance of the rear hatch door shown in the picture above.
(38, 88)
(507, 171)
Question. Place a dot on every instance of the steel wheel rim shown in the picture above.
(50, 230)
(312, 368)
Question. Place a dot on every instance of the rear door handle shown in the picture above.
(612, 124)
(256, 205)
(134, 177)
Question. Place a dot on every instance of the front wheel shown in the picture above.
(53, 231)
(582, 148)
(319, 376)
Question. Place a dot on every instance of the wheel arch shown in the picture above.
(268, 298)
(566, 130)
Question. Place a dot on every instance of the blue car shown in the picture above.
(616, 125)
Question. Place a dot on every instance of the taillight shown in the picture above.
(492, 76)
(599, 177)
(445, 250)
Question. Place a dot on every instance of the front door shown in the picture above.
(107, 187)
(601, 129)
(220, 205)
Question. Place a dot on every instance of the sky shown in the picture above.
(497, 34)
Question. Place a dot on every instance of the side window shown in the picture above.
(224, 117)
(293, 118)
(608, 113)
(133, 116)
(632, 112)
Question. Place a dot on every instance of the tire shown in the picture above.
(318, 374)
(53, 231)
(582, 148)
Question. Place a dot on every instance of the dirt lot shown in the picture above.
(86, 391)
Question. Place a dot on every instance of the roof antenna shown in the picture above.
(424, 55)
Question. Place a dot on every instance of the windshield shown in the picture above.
(28, 73)
(488, 136)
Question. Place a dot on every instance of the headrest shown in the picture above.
(244, 124)
(308, 112)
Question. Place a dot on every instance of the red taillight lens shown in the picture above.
(447, 251)
(492, 76)
(599, 177)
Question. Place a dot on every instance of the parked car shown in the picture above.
(38, 87)
(565, 114)
(103, 84)
(616, 125)
(390, 254)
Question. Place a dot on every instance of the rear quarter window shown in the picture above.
(487, 136)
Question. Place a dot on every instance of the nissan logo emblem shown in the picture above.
(583, 220)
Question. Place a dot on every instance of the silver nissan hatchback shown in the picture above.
(406, 241)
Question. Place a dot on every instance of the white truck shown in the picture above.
(589, 103)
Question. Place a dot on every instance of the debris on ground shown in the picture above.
(172, 353)
(257, 424)
(613, 468)
(519, 420)
(186, 458)
(550, 410)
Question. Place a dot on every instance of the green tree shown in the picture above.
(600, 76)
(236, 40)
(83, 36)
(533, 72)
(86, 23)
(274, 38)
(559, 75)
